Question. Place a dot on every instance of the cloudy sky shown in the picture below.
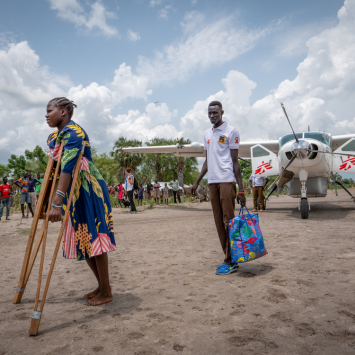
(148, 68)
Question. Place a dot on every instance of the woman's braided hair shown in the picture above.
(63, 102)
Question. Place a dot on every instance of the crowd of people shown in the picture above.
(130, 192)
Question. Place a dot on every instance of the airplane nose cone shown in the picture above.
(301, 149)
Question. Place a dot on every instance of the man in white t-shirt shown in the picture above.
(258, 185)
(221, 144)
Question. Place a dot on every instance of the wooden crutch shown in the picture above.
(20, 289)
(36, 317)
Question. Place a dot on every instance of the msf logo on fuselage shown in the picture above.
(347, 164)
(262, 168)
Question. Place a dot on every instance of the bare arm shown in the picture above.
(203, 172)
(238, 175)
(55, 213)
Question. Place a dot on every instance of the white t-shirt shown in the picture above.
(129, 186)
(218, 143)
(257, 180)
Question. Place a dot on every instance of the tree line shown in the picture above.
(146, 167)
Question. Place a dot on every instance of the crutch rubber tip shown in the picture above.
(34, 327)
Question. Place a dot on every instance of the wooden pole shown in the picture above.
(22, 282)
(36, 317)
(35, 252)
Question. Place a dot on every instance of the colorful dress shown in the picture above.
(89, 227)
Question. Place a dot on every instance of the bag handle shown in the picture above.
(241, 210)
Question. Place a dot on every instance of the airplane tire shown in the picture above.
(304, 208)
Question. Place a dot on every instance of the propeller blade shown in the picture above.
(289, 163)
(282, 105)
(245, 160)
(318, 151)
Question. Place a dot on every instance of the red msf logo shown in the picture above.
(346, 165)
(262, 168)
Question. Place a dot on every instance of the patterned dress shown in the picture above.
(89, 227)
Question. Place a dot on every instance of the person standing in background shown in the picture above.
(5, 200)
(166, 194)
(258, 185)
(32, 183)
(38, 186)
(156, 192)
(174, 184)
(149, 189)
(140, 194)
(22, 183)
(129, 189)
(120, 193)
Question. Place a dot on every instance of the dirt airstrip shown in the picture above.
(299, 299)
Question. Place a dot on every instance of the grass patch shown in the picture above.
(24, 231)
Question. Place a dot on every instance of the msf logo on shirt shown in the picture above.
(347, 164)
(262, 168)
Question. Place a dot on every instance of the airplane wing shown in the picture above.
(338, 141)
(197, 150)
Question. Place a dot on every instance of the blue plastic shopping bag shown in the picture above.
(245, 238)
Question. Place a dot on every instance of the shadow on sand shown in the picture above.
(122, 304)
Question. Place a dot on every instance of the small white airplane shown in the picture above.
(305, 162)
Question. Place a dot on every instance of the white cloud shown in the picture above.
(196, 53)
(164, 13)
(321, 95)
(155, 2)
(72, 11)
(193, 21)
(133, 36)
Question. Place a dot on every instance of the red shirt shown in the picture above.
(5, 189)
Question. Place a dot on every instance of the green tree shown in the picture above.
(107, 166)
(126, 159)
(164, 166)
(4, 171)
(246, 169)
(17, 165)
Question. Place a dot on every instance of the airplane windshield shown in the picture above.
(321, 137)
(289, 137)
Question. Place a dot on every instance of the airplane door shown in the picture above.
(343, 163)
(263, 161)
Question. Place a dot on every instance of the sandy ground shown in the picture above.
(299, 299)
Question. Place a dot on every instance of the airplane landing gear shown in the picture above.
(304, 208)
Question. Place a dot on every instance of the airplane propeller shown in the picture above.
(282, 105)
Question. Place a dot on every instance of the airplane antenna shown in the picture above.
(282, 105)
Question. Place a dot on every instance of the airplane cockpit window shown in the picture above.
(350, 147)
(259, 152)
(319, 136)
(289, 137)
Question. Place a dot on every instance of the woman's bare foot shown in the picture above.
(93, 293)
(99, 299)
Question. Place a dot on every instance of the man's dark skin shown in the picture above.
(215, 114)
(5, 182)
(25, 176)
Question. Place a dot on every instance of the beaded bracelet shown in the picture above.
(241, 192)
(60, 193)
(57, 206)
